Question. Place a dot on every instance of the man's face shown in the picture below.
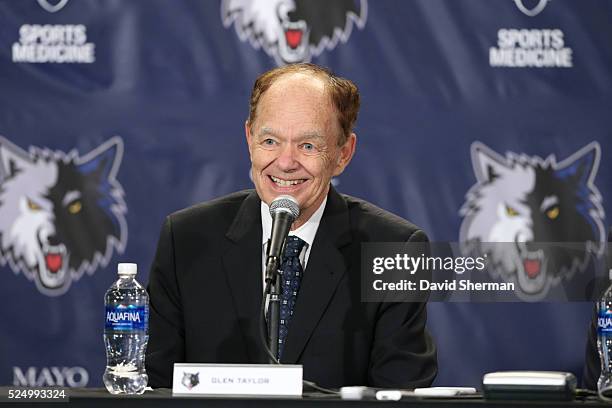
(293, 143)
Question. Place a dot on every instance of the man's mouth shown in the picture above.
(286, 183)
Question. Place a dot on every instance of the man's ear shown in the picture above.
(347, 150)
(247, 134)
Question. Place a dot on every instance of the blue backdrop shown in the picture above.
(151, 97)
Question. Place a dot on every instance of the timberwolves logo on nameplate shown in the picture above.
(190, 380)
(294, 30)
(525, 200)
(61, 214)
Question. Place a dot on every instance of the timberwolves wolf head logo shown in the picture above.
(532, 8)
(61, 214)
(190, 380)
(526, 200)
(294, 30)
(52, 5)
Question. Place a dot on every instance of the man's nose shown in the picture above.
(288, 158)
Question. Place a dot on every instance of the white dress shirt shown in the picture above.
(306, 232)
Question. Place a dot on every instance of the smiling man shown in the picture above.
(206, 282)
(296, 140)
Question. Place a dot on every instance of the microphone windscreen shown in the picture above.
(286, 203)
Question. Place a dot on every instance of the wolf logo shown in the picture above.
(52, 6)
(61, 214)
(190, 380)
(527, 201)
(537, 7)
(294, 30)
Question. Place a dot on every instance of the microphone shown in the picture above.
(284, 210)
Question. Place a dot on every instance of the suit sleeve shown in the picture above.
(404, 354)
(166, 330)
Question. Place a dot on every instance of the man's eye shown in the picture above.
(308, 147)
(269, 142)
(33, 206)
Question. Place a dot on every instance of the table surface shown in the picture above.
(99, 397)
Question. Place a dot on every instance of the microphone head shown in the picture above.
(285, 203)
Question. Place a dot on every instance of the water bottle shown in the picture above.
(604, 340)
(126, 333)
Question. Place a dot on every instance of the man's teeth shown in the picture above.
(286, 183)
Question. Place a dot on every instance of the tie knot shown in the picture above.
(293, 246)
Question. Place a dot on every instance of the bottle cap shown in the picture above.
(127, 269)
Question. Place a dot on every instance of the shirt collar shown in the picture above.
(306, 232)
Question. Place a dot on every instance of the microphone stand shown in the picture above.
(273, 278)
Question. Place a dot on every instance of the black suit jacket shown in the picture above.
(205, 293)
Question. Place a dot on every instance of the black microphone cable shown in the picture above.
(263, 327)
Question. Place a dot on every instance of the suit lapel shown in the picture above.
(325, 268)
(242, 262)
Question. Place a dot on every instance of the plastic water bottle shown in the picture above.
(126, 333)
(604, 341)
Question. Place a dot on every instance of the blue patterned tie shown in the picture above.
(291, 275)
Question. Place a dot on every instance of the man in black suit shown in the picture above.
(206, 282)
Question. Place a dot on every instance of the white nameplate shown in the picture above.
(237, 379)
